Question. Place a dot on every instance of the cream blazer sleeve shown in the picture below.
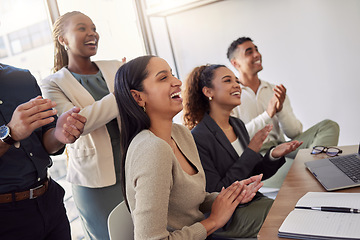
(67, 92)
(91, 162)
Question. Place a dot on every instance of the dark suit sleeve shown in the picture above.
(267, 166)
(270, 167)
(38, 93)
(42, 130)
(220, 169)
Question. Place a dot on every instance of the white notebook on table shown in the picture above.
(315, 224)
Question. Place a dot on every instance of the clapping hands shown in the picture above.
(229, 198)
(38, 112)
(276, 102)
(259, 138)
(251, 185)
(69, 126)
(285, 148)
(31, 115)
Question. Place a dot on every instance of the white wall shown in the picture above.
(311, 46)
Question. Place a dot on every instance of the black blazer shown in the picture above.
(220, 161)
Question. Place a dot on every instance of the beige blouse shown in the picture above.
(165, 201)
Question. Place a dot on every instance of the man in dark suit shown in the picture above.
(31, 203)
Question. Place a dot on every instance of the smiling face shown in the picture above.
(247, 59)
(80, 36)
(225, 90)
(161, 94)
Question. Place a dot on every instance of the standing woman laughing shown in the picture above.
(94, 160)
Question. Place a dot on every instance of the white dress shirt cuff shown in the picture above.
(271, 157)
(265, 117)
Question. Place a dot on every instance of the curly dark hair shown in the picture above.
(196, 104)
(234, 44)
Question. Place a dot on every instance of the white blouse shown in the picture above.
(237, 146)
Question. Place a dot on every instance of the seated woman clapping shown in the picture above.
(226, 152)
(163, 179)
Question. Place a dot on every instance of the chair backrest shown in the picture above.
(120, 223)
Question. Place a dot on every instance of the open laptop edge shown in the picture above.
(329, 175)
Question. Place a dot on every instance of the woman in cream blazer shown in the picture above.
(91, 155)
(94, 160)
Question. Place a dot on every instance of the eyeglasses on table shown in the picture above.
(330, 151)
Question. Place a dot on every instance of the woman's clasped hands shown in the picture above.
(239, 192)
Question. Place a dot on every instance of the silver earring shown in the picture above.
(66, 47)
(210, 98)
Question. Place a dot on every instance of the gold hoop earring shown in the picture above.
(210, 98)
(144, 108)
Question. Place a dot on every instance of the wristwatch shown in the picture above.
(5, 135)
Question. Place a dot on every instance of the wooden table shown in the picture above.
(298, 181)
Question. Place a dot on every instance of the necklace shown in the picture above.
(225, 129)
